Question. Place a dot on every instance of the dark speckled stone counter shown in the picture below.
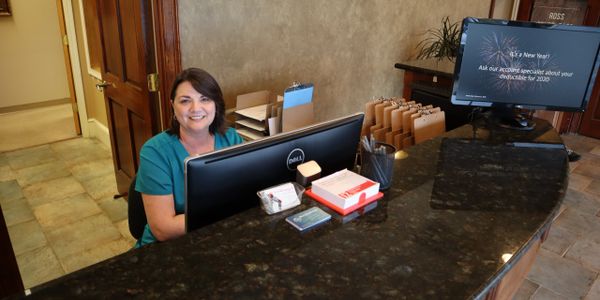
(405, 247)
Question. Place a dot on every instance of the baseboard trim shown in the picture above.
(20, 107)
(99, 131)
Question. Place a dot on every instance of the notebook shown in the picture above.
(298, 95)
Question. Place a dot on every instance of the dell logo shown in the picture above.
(295, 158)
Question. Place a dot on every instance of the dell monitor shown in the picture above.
(508, 65)
(225, 182)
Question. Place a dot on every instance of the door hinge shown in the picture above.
(153, 82)
(65, 40)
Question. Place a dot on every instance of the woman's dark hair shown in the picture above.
(206, 85)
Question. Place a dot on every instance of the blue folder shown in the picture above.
(297, 95)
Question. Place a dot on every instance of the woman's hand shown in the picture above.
(164, 223)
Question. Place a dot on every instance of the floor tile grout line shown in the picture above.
(563, 255)
(539, 286)
(45, 230)
(64, 268)
(19, 223)
(590, 287)
(48, 246)
(38, 145)
(581, 264)
(39, 182)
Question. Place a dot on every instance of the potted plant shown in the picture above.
(441, 42)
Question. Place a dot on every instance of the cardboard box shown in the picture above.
(259, 114)
(251, 114)
(297, 117)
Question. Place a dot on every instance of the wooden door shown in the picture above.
(128, 57)
(576, 12)
(590, 123)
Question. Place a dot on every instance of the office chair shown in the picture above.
(135, 211)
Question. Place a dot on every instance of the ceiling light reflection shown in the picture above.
(400, 155)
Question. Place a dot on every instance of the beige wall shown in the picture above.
(32, 67)
(347, 48)
(94, 99)
(503, 9)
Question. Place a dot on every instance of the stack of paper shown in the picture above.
(345, 188)
(258, 112)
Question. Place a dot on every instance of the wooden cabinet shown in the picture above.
(429, 81)
(511, 281)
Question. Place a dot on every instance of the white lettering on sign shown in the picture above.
(556, 16)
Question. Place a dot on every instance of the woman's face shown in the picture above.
(193, 111)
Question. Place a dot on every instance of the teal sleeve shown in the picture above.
(233, 137)
(154, 174)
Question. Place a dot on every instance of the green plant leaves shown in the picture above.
(442, 42)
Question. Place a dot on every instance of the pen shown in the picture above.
(372, 142)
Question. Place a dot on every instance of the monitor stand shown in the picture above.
(508, 117)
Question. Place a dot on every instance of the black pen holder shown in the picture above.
(378, 165)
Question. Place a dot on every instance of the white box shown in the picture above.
(345, 188)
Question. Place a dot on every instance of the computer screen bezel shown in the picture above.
(520, 104)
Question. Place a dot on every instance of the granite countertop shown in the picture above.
(412, 245)
(432, 66)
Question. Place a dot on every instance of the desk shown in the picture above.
(432, 72)
(429, 81)
(403, 248)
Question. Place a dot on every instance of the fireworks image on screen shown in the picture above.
(496, 52)
(502, 81)
(548, 65)
(495, 49)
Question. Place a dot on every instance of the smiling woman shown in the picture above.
(198, 127)
(194, 113)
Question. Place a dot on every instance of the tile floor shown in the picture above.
(568, 264)
(58, 202)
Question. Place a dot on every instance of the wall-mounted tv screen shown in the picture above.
(525, 65)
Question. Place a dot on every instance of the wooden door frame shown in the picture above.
(585, 127)
(75, 78)
(68, 67)
(168, 53)
(567, 121)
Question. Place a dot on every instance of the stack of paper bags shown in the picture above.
(402, 123)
